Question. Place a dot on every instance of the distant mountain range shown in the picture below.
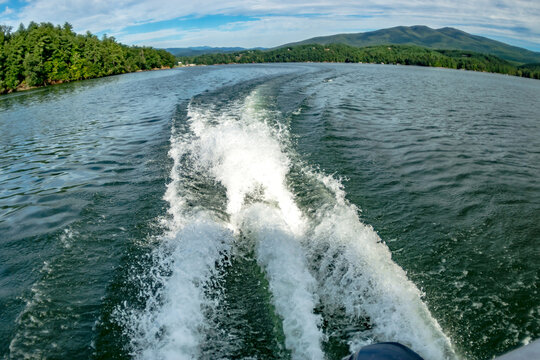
(201, 50)
(444, 38)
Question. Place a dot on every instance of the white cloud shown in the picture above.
(7, 11)
(143, 38)
(281, 21)
(266, 32)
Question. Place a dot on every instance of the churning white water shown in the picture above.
(173, 323)
(243, 154)
(355, 272)
(331, 261)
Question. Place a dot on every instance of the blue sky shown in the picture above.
(251, 23)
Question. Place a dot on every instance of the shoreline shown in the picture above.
(24, 87)
(357, 63)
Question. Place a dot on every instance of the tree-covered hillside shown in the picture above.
(395, 54)
(43, 54)
(445, 38)
(530, 70)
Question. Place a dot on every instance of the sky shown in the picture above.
(260, 23)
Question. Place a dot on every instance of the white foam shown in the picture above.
(173, 324)
(172, 195)
(67, 238)
(351, 269)
(243, 152)
(292, 286)
(355, 272)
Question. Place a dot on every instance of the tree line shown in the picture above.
(387, 54)
(43, 54)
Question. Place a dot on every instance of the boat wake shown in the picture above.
(329, 276)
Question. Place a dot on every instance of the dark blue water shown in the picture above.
(270, 211)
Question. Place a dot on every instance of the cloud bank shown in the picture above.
(270, 23)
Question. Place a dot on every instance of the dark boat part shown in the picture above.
(397, 351)
(385, 351)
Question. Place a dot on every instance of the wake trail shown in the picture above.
(358, 279)
(185, 267)
(242, 152)
(320, 265)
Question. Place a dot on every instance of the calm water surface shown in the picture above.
(270, 212)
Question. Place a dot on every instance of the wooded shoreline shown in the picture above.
(385, 54)
(44, 54)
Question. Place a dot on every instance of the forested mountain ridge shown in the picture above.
(419, 35)
(395, 54)
(44, 54)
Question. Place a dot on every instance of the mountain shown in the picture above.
(201, 50)
(444, 38)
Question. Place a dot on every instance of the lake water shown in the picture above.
(293, 211)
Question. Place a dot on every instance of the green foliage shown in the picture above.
(387, 54)
(43, 54)
(445, 38)
(530, 70)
